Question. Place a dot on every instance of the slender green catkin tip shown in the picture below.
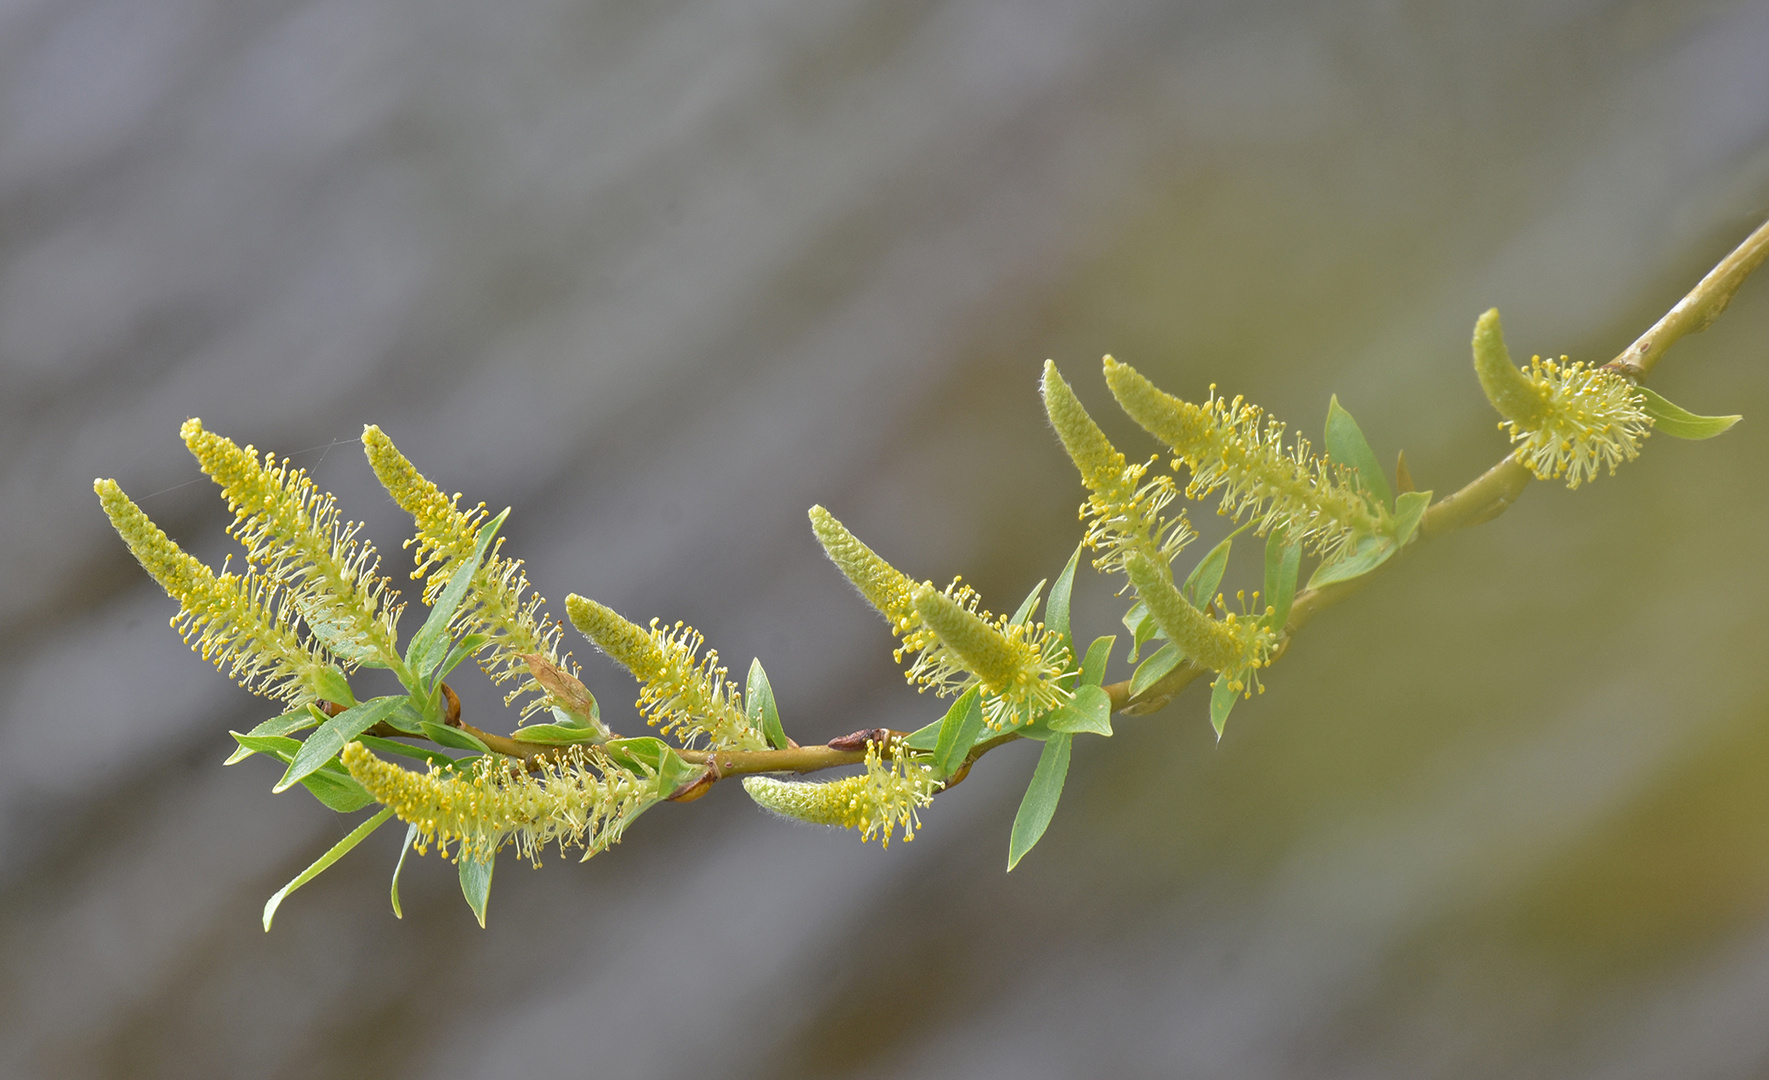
(1517, 398)
(883, 585)
(985, 651)
(1197, 635)
(883, 798)
(628, 644)
(1100, 462)
(156, 552)
(1176, 422)
(820, 803)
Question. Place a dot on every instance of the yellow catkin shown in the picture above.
(1123, 512)
(1022, 663)
(1571, 420)
(1017, 665)
(577, 800)
(886, 796)
(1233, 446)
(517, 625)
(681, 692)
(1232, 645)
(294, 537)
(883, 585)
(241, 624)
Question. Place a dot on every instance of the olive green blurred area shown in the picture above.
(662, 276)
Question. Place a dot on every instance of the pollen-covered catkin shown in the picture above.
(884, 797)
(1230, 645)
(294, 537)
(517, 626)
(1571, 419)
(1018, 665)
(884, 586)
(577, 800)
(241, 623)
(1235, 447)
(1123, 512)
(680, 692)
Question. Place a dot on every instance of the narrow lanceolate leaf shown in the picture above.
(287, 724)
(1030, 604)
(1347, 446)
(338, 851)
(1093, 665)
(443, 735)
(555, 734)
(411, 837)
(1201, 583)
(1090, 713)
(476, 884)
(1678, 422)
(758, 705)
(330, 784)
(1283, 561)
(1409, 511)
(1142, 627)
(1041, 798)
(323, 745)
(431, 643)
(1370, 553)
(1056, 609)
(1155, 668)
(958, 732)
(1222, 698)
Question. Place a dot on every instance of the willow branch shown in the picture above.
(1694, 312)
(1479, 501)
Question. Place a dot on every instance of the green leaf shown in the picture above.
(331, 685)
(648, 755)
(463, 649)
(1028, 605)
(407, 718)
(338, 851)
(443, 735)
(476, 884)
(758, 704)
(1346, 445)
(1142, 627)
(1678, 422)
(554, 734)
(287, 724)
(339, 638)
(1093, 666)
(1282, 563)
(1200, 584)
(411, 837)
(1409, 511)
(430, 644)
(1056, 609)
(1041, 798)
(323, 745)
(1151, 671)
(1371, 552)
(1222, 699)
(926, 737)
(958, 731)
(1089, 713)
(416, 753)
(331, 784)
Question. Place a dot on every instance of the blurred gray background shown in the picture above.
(662, 275)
